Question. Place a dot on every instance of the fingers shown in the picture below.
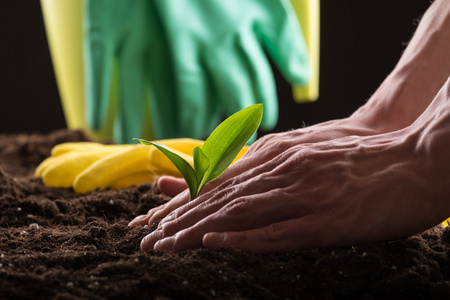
(227, 187)
(277, 237)
(63, 169)
(142, 220)
(244, 213)
(171, 186)
(110, 168)
(173, 204)
(157, 213)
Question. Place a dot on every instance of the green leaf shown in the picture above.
(225, 142)
(218, 151)
(183, 166)
(201, 164)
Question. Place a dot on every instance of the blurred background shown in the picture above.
(361, 41)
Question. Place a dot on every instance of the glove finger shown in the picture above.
(163, 104)
(72, 158)
(76, 146)
(283, 39)
(200, 110)
(132, 55)
(99, 52)
(163, 166)
(195, 113)
(60, 171)
(110, 168)
(235, 88)
(263, 81)
(193, 108)
(61, 149)
(83, 147)
(134, 179)
(44, 165)
(185, 145)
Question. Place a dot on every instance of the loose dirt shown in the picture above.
(56, 244)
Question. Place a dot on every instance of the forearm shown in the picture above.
(421, 71)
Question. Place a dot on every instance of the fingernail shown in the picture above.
(144, 243)
(165, 244)
(136, 220)
(149, 240)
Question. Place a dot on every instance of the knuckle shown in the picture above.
(168, 227)
(154, 210)
(226, 190)
(238, 207)
(216, 199)
(281, 144)
(290, 161)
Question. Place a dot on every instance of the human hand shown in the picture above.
(264, 149)
(346, 191)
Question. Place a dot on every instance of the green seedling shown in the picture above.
(218, 151)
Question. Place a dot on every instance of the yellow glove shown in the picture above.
(86, 166)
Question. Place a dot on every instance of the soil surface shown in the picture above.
(56, 244)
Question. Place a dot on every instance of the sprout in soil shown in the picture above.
(219, 149)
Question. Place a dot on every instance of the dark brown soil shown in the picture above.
(55, 244)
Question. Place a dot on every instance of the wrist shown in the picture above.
(393, 106)
(433, 142)
(420, 73)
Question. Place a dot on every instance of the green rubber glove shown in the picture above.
(118, 37)
(201, 60)
(218, 52)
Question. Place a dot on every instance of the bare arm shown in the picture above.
(416, 79)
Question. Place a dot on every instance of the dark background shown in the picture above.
(361, 42)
